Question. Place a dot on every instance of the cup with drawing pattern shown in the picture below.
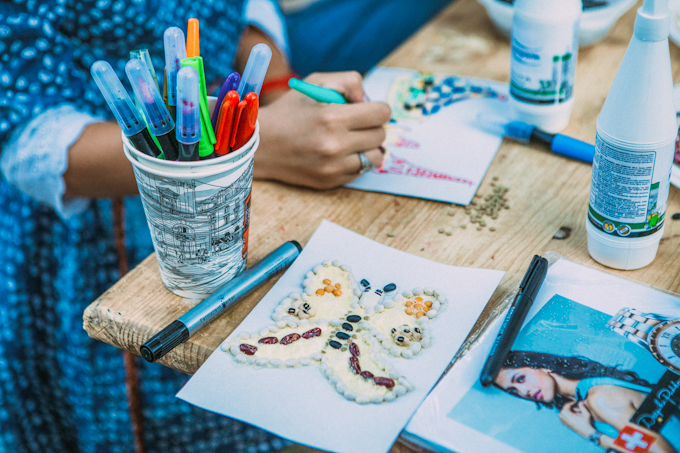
(199, 215)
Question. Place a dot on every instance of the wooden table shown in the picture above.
(547, 193)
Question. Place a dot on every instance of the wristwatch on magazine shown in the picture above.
(656, 333)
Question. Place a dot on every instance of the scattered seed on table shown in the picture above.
(390, 234)
(479, 228)
(495, 178)
(493, 184)
(440, 231)
(448, 233)
(492, 229)
(676, 216)
(451, 213)
(463, 226)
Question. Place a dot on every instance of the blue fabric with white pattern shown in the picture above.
(60, 391)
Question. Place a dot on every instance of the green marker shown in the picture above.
(317, 93)
(208, 140)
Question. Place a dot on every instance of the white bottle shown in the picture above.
(634, 149)
(543, 61)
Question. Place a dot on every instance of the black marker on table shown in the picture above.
(518, 311)
(180, 330)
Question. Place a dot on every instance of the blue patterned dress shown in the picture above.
(60, 391)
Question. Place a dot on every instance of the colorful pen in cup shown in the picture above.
(255, 70)
(124, 110)
(188, 129)
(157, 115)
(175, 52)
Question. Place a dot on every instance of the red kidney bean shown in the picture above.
(247, 349)
(367, 375)
(315, 332)
(354, 349)
(288, 339)
(354, 365)
(387, 382)
(269, 340)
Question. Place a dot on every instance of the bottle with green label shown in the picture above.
(543, 61)
(634, 149)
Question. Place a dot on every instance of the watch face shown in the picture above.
(664, 342)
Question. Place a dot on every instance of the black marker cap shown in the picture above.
(296, 244)
(164, 341)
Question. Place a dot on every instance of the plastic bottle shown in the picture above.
(543, 61)
(634, 149)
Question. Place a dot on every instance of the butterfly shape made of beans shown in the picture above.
(350, 330)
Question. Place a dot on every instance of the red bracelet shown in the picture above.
(280, 83)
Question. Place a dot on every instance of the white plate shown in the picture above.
(595, 22)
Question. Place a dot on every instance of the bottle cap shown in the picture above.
(653, 21)
(255, 70)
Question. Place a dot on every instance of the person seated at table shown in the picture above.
(337, 35)
(61, 158)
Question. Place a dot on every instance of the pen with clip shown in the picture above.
(156, 113)
(526, 133)
(175, 52)
(180, 330)
(518, 311)
(188, 128)
(124, 110)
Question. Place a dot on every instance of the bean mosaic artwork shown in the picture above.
(350, 330)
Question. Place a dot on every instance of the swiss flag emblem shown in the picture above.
(634, 440)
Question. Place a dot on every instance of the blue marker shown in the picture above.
(526, 133)
(188, 324)
(128, 117)
(255, 70)
(157, 115)
(175, 51)
(188, 129)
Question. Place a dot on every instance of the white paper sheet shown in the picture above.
(600, 291)
(299, 403)
(442, 156)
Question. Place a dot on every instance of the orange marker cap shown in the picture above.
(244, 126)
(225, 122)
(193, 43)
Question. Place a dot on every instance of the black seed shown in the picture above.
(354, 318)
(390, 287)
(347, 326)
(335, 345)
(365, 282)
(676, 216)
(342, 335)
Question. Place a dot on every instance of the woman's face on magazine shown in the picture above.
(528, 383)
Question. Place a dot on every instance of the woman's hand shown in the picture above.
(308, 143)
(576, 416)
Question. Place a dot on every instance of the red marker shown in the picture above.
(244, 123)
(225, 122)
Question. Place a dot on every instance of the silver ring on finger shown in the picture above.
(366, 164)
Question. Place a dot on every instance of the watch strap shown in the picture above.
(635, 325)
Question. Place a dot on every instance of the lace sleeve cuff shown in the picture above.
(35, 157)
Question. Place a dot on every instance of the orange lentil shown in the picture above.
(428, 303)
(418, 306)
(419, 299)
(337, 293)
(426, 309)
(409, 311)
(320, 292)
(409, 303)
(329, 289)
(337, 285)
(420, 314)
(326, 281)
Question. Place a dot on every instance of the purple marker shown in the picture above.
(231, 83)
